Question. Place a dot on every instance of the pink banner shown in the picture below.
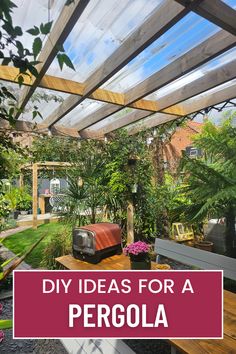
(118, 304)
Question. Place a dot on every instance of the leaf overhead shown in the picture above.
(37, 46)
(45, 28)
(34, 31)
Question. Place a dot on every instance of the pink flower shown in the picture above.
(2, 335)
(136, 248)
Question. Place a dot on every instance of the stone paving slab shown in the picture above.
(6, 254)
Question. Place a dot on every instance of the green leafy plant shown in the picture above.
(18, 199)
(12, 197)
(210, 181)
(25, 200)
(60, 244)
(4, 207)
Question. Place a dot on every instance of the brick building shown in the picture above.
(182, 140)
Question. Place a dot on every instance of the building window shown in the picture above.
(193, 152)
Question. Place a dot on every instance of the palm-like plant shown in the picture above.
(211, 181)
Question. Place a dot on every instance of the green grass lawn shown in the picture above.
(20, 242)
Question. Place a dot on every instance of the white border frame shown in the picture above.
(128, 270)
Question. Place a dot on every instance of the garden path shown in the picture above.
(10, 232)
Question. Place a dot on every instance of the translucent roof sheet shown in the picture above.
(231, 3)
(13, 89)
(184, 35)
(82, 110)
(111, 118)
(30, 13)
(101, 29)
(210, 92)
(194, 75)
(155, 118)
(46, 101)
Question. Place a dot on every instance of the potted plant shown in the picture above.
(24, 202)
(12, 196)
(4, 210)
(203, 244)
(139, 253)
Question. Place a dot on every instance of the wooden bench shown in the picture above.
(205, 260)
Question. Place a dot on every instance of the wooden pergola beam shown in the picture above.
(96, 116)
(30, 127)
(159, 22)
(60, 31)
(197, 56)
(35, 196)
(118, 123)
(76, 89)
(150, 122)
(188, 107)
(214, 78)
(217, 12)
(45, 164)
(207, 50)
(208, 100)
(10, 73)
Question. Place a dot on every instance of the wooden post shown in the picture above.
(21, 180)
(35, 195)
(130, 223)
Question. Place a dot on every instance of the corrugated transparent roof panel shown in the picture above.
(112, 118)
(82, 110)
(30, 13)
(14, 89)
(210, 92)
(141, 123)
(101, 29)
(184, 35)
(231, 3)
(46, 101)
(216, 63)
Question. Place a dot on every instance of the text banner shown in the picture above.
(118, 304)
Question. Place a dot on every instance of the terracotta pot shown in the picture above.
(204, 245)
(162, 266)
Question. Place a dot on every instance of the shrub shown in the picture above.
(60, 244)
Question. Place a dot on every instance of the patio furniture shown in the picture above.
(58, 203)
(43, 201)
(117, 262)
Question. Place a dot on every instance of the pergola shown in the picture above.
(138, 64)
(35, 167)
